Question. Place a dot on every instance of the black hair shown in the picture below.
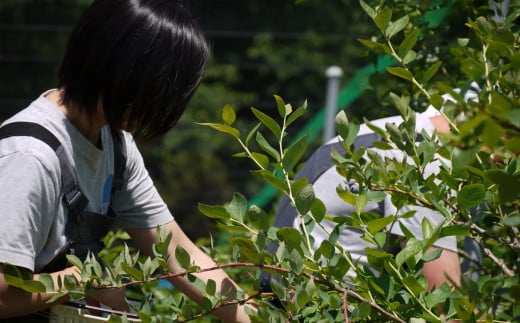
(142, 59)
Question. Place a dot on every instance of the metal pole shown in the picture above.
(333, 73)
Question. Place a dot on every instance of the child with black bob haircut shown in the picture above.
(129, 69)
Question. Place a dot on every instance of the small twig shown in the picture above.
(330, 285)
(345, 312)
(500, 263)
(221, 305)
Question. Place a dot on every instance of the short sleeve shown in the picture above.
(29, 198)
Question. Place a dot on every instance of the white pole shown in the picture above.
(333, 73)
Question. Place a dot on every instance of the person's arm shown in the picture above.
(445, 269)
(16, 302)
(145, 238)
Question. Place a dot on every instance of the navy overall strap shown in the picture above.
(84, 230)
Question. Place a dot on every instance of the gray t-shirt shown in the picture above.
(325, 189)
(32, 211)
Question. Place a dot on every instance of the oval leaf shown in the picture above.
(471, 195)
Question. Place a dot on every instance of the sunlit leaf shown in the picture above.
(396, 26)
(216, 212)
(222, 128)
(400, 72)
(228, 115)
(368, 10)
(296, 114)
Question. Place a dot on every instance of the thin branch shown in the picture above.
(345, 312)
(326, 283)
(500, 263)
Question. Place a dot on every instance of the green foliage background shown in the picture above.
(431, 58)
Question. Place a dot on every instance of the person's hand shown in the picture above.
(111, 297)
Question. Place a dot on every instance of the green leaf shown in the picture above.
(426, 151)
(182, 257)
(409, 57)
(215, 212)
(272, 179)
(427, 229)
(47, 281)
(383, 18)
(304, 199)
(513, 116)
(261, 159)
(278, 289)
(463, 42)
(228, 115)
(211, 287)
(396, 26)
(346, 195)
(291, 236)
(248, 251)
(368, 10)
(462, 157)
(251, 133)
(432, 255)
(237, 208)
(301, 298)
(283, 109)
(402, 103)
(430, 72)
(268, 122)
(408, 252)
(436, 100)
(511, 221)
(75, 261)
(133, 272)
(326, 249)
(415, 287)
(377, 225)
(471, 195)
(264, 144)
(382, 145)
(394, 132)
(407, 44)
(455, 230)
(347, 130)
(375, 46)
(296, 114)
(21, 278)
(222, 128)
(70, 282)
(437, 296)
(338, 266)
(318, 210)
(400, 72)
(294, 153)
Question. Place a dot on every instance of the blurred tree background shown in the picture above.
(260, 48)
